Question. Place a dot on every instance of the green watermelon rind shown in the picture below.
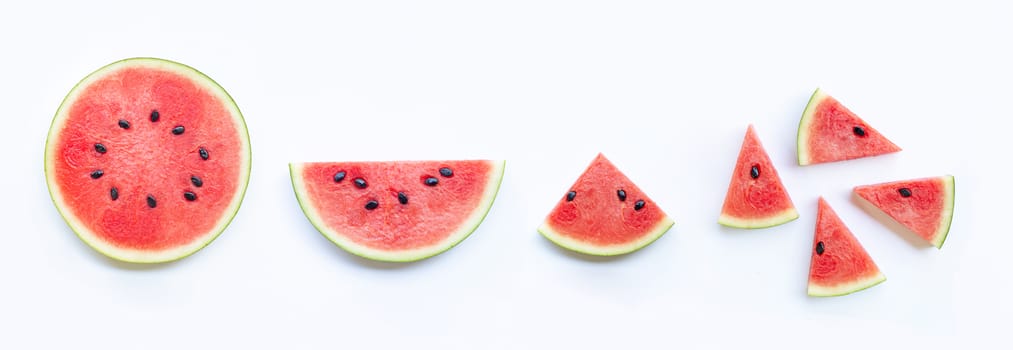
(944, 230)
(816, 290)
(144, 256)
(802, 139)
(460, 234)
(783, 217)
(564, 241)
(950, 190)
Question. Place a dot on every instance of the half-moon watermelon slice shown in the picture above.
(756, 196)
(604, 213)
(147, 160)
(924, 206)
(396, 211)
(839, 264)
(829, 132)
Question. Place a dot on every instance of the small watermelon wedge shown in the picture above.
(756, 196)
(839, 264)
(604, 213)
(924, 206)
(829, 132)
(398, 211)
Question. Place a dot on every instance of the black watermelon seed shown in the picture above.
(114, 193)
(100, 148)
(446, 172)
(754, 172)
(570, 195)
(402, 198)
(178, 130)
(858, 131)
(339, 176)
(190, 196)
(372, 205)
(203, 153)
(97, 174)
(123, 123)
(196, 181)
(360, 183)
(154, 115)
(819, 248)
(622, 195)
(905, 192)
(639, 204)
(151, 201)
(432, 181)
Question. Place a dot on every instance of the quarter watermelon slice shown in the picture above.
(925, 206)
(604, 213)
(756, 196)
(396, 211)
(829, 132)
(147, 160)
(839, 264)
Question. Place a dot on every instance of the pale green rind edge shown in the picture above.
(462, 232)
(142, 256)
(781, 218)
(575, 245)
(944, 230)
(845, 289)
(802, 138)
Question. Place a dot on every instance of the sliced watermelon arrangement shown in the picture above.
(147, 160)
(397, 211)
(604, 213)
(839, 264)
(829, 132)
(756, 197)
(924, 206)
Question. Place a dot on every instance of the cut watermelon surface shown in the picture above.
(756, 197)
(398, 210)
(839, 264)
(829, 132)
(604, 213)
(924, 206)
(147, 160)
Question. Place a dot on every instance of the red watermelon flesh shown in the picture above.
(604, 213)
(925, 206)
(147, 160)
(829, 132)
(396, 210)
(756, 197)
(839, 264)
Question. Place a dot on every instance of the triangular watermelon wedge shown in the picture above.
(839, 264)
(756, 196)
(924, 206)
(604, 213)
(829, 132)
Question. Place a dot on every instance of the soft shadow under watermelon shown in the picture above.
(886, 220)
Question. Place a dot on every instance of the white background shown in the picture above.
(664, 90)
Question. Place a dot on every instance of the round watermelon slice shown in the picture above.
(830, 132)
(397, 211)
(924, 206)
(147, 160)
(604, 213)
(756, 196)
(839, 264)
